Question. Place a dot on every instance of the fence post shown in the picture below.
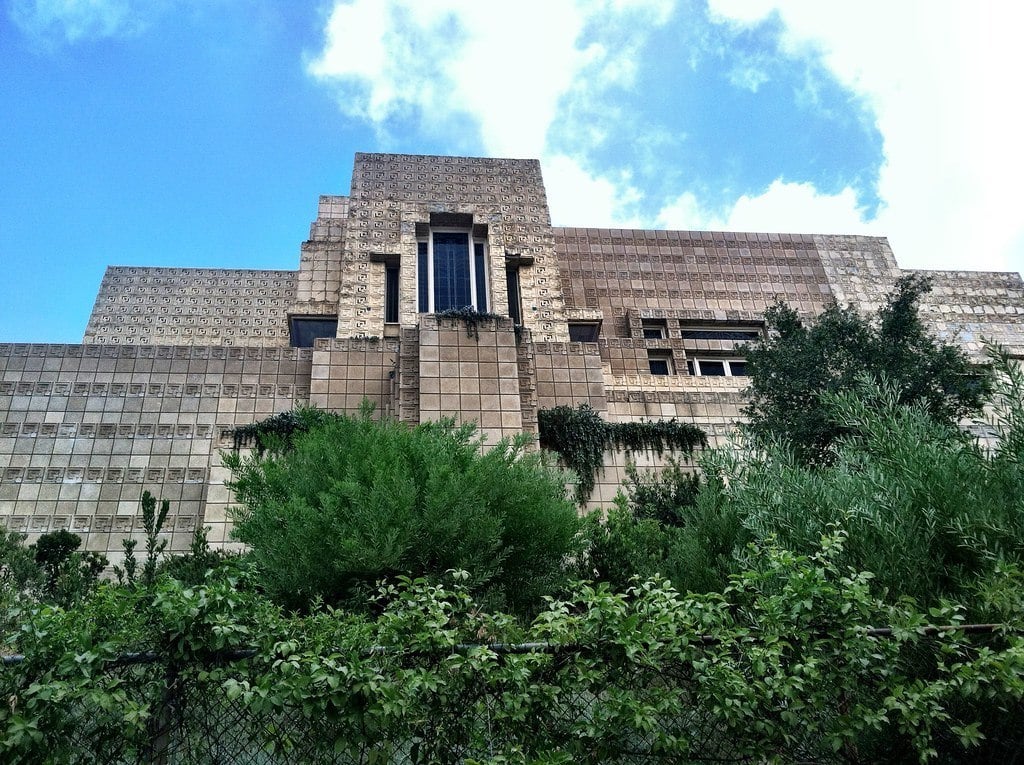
(164, 717)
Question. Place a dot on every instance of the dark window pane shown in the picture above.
(720, 334)
(423, 275)
(660, 362)
(738, 368)
(391, 294)
(305, 331)
(481, 277)
(654, 333)
(712, 368)
(515, 309)
(583, 333)
(451, 271)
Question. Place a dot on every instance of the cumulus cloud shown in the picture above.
(578, 197)
(540, 78)
(939, 78)
(506, 66)
(73, 21)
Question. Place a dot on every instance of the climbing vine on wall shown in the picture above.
(580, 437)
(278, 430)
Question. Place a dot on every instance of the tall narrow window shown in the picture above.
(480, 271)
(515, 306)
(451, 272)
(452, 287)
(423, 276)
(391, 294)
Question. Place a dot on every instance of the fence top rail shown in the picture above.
(237, 654)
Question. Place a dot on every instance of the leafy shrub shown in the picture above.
(928, 510)
(656, 528)
(796, 363)
(354, 500)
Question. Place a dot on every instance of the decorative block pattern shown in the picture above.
(709, 275)
(392, 192)
(191, 306)
(85, 429)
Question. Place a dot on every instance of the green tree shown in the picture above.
(930, 511)
(796, 363)
(352, 500)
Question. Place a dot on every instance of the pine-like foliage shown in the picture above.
(353, 500)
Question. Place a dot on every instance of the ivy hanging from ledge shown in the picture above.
(471, 317)
(279, 430)
(580, 437)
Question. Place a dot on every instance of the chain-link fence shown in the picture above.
(580, 705)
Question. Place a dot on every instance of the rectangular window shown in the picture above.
(654, 329)
(515, 306)
(447, 277)
(423, 276)
(451, 271)
(584, 331)
(480, 271)
(717, 367)
(391, 294)
(738, 334)
(306, 329)
(660, 362)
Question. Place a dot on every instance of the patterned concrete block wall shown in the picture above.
(970, 308)
(505, 194)
(861, 270)
(319, 277)
(470, 374)
(569, 374)
(85, 429)
(192, 306)
(711, 275)
(345, 373)
(711, 403)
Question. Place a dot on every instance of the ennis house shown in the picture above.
(638, 324)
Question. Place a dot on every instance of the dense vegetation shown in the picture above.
(796, 363)
(390, 568)
(353, 500)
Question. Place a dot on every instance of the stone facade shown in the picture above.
(638, 324)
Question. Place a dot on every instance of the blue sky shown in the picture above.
(200, 132)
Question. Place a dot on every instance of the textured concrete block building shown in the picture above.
(638, 324)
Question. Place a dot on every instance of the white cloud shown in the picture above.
(578, 197)
(80, 20)
(941, 78)
(798, 208)
(784, 207)
(687, 213)
(505, 65)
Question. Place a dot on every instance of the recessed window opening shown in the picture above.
(717, 367)
(451, 271)
(654, 329)
(515, 302)
(660, 362)
(306, 329)
(584, 331)
(391, 294)
(737, 334)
